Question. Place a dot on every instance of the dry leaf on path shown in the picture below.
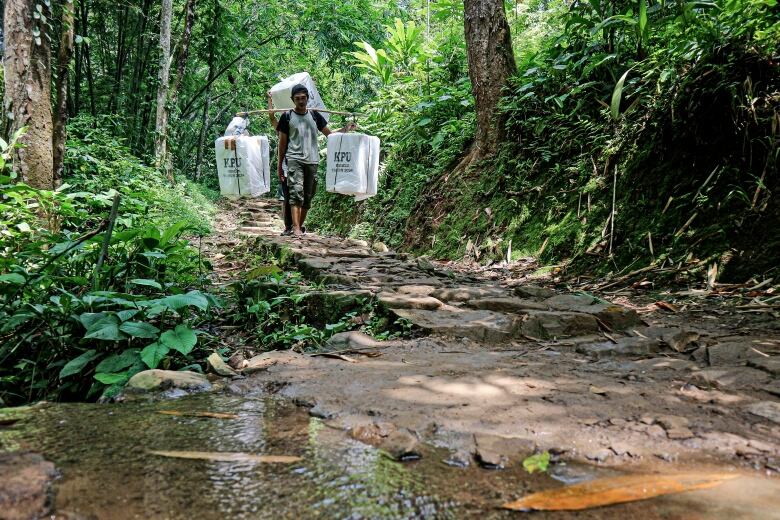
(227, 456)
(212, 415)
(338, 356)
(616, 490)
(597, 390)
(667, 306)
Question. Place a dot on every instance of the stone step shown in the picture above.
(475, 324)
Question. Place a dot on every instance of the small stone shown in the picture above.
(408, 301)
(767, 364)
(495, 451)
(401, 444)
(628, 346)
(617, 421)
(380, 247)
(321, 412)
(666, 456)
(219, 366)
(548, 325)
(25, 482)
(646, 419)
(762, 446)
(417, 290)
(766, 409)
(731, 378)
(156, 379)
(620, 449)
(590, 421)
(599, 455)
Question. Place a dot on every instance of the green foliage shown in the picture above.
(63, 337)
(538, 462)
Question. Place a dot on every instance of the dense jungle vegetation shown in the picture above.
(634, 134)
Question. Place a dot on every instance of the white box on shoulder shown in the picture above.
(243, 166)
(281, 92)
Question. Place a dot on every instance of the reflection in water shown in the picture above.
(107, 472)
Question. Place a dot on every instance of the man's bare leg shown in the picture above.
(296, 218)
(304, 212)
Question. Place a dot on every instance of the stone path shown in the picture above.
(502, 367)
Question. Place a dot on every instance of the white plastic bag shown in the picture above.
(348, 156)
(280, 93)
(238, 126)
(372, 172)
(243, 166)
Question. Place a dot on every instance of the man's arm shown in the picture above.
(323, 125)
(281, 153)
(271, 115)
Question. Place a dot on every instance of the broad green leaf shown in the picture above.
(182, 338)
(117, 362)
(617, 95)
(90, 318)
(153, 354)
(126, 315)
(192, 298)
(538, 462)
(112, 379)
(13, 278)
(76, 365)
(139, 329)
(172, 231)
(146, 282)
(106, 329)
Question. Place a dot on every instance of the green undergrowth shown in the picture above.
(76, 323)
(281, 309)
(672, 107)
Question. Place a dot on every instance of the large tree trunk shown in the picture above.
(27, 101)
(184, 48)
(161, 124)
(64, 55)
(491, 63)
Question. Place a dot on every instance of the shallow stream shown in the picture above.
(102, 453)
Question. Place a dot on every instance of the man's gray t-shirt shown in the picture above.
(301, 131)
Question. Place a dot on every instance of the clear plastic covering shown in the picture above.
(243, 166)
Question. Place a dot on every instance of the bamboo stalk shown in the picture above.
(106, 241)
(270, 110)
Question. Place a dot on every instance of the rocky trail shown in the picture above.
(489, 371)
(504, 369)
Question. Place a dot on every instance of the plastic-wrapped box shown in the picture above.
(280, 93)
(348, 160)
(372, 172)
(243, 166)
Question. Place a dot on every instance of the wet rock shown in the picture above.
(496, 452)
(219, 366)
(462, 294)
(402, 445)
(772, 388)
(533, 291)
(630, 346)
(25, 486)
(156, 379)
(408, 301)
(766, 409)
(474, 324)
(732, 378)
(767, 364)
(676, 427)
(548, 325)
(506, 304)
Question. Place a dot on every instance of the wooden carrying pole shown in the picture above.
(266, 111)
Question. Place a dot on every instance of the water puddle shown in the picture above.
(107, 471)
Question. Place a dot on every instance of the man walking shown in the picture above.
(298, 143)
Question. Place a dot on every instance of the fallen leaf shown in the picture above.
(538, 462)
(227, 456)
(616, 490)
(597, 390)
(338, 356)
(213, 415)
(667, 306)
